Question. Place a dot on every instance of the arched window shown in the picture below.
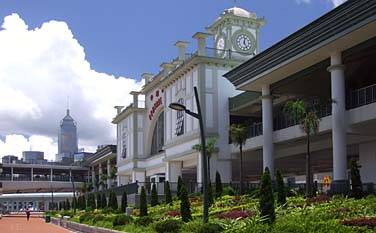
(158, 136)
(180, 120)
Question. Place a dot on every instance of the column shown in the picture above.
(100, 178)
(173, 171)
(339, 124)
(32, 174)
(181, 46)
(201, 42)
(70, 175)
(93, 175)
(88, 176)
(108, 174)
(267, 129)
(51, 174)
(11, 173)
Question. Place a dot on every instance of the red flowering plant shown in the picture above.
(236, 214)
(360, 222)
(173, 213)
(321, 198)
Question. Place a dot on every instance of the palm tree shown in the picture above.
(210, 149)
(239, 135)
(306, 115)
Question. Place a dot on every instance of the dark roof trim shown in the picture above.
(108, 149)
(351, 14)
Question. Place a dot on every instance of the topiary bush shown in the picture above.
(168, 226)
(218, 185)
(356, 183)
(67, 205)
(143, 203)
(185, 206)
(180, 184)
(99, 201)
(103, 200)
(154, 195)
(229, 191)
(266, 205)
(281, 190)
(124, 201)
(112, 201)
(121, 219)
(144, 221)
(168, 193)
(209, 228)
(210, 194)
(91, 201)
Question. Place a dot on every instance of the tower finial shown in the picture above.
(68, 105)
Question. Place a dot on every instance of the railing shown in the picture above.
(255, 130)
(362, 96)
(226, 54)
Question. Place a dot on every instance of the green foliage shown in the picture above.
(185, 206)
(239, 135)
(267, 198)
(356, 183)
(168, 193)
(121, 219)
(154, 195)
(124, 201)
(168, 226)
(103, 201)
(144, 221)
(67, 205)
(228, 190)
(83, 202)
(143, 203)
(113, 173)
(210, 194)
(209, 228)
(281, 190)
(85, 217)
(180, 184)
(218, 185)
(112, 201)
(99, 201)
(91, 201)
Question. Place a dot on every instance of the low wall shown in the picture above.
(82, 228)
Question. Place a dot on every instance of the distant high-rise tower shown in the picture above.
(67, 138)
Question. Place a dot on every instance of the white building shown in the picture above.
(155, 142)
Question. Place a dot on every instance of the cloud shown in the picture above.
(39, 68)
(334, 2)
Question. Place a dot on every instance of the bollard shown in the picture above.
(129, 211)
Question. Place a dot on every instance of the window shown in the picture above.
(180, 120)
(124, 140)
(158, 135)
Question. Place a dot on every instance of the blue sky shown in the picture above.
(95, 52)
(127, 38)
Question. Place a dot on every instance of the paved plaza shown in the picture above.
(36, 224)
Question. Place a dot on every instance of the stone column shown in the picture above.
(32, 174)
(339, 124)
(181, 46)
(93, 175)
(173, 171)
(51, 174)
(70, 175)
(100, 178)
(11, 173)
(108, 174)
(201, 42)
(267, 129)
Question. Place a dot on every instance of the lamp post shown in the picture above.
(198, 115)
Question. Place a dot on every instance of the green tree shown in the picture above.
(112, 201)
(84, 188)
(99, 201)
(68, 204)
(180, 184)
(356, 182)
(60, 205)
(143, 203)
(210, 194)
(79, 202)
(91, 201)
(103, 181)
(210, 149)
(83, 202)
(239, 135)
(266, 197)
(281, 190)
(185, 206)
(103, 201)
(218, 185)
(154, 195)
(124, 201)
(168, 193)
(305, 114)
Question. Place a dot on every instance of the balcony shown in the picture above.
(363, 96)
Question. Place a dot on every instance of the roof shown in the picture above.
(349, 16)
(240, 12)
(103, 152)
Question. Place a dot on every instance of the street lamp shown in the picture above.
(198, 115)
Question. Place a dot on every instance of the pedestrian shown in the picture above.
(27, 214)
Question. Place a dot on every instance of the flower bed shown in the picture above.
(236, 214)
(321, 198)
(173, 213)
(360, 222)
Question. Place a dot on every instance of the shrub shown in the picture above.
(99, 201)
(154, 195)
(85, 217)
(124, 201)
(281, 197)
(209, 228)
(143, 203)
(236, 214)
(359, 222)
(267, 198)
(168, 226)
(173, 213)
(91, 201)
(67, 205)
(168, 193)
(356, 183)
(228, 191)
(218, 185)
(107, 210)
(83, 202)
(321, 198)
(112, 201)
(144, 221)
(210, 194)
(98, 217)
(121, 219)
(103, 201)
(185, 206)
(180, 184)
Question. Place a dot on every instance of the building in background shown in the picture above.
(9, 159)
(67, 139)
(33, 157)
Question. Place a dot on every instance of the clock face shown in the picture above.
(244, 42)
(221, 43)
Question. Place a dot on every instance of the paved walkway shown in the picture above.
(19, 224)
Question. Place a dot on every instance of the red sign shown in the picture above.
(154, 108)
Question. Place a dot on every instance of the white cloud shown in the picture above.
(39, 68)
(334, 2)
(303, 1)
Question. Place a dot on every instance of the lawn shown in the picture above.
(240, 214)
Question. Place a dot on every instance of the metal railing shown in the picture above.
(361, 96)
(226, 54)
(255, 129)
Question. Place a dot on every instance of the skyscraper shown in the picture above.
(67, 138)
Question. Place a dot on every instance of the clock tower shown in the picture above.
(236, 33)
